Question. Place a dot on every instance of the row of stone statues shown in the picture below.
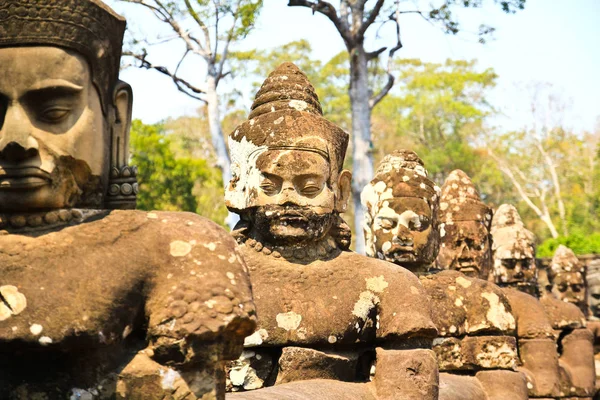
(99, 301)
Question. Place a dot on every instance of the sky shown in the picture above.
(551, 41)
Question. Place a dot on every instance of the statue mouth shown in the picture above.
(25, 178)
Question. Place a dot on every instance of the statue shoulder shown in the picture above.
(405, 310)
(463, 305)
(532, 321)
(562, 315)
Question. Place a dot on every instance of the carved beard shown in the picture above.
(291, 224)
(72, 184)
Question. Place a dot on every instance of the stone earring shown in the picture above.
(122, 188)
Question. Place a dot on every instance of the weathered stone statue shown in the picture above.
(465, 242)
(476, 348)
(327, 316)
(566, 307)
(556, 364)
(94, 303)
(567, 278)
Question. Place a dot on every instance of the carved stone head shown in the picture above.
(288, 184)
(567, 277)
(593, 286)
(402, 207)
(513, 250)
(64, 115)
(464, 228)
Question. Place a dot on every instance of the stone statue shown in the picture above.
(592, 267)
(566, 307)
(567, 278)
(98, 303)
(476, 347)
(545, 326)
(326, 315)
(465, 241)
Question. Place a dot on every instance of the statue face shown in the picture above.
(465, 247)
(569, 287)
(402, 230)
(53, 137)
(516, 269)
(295, 199)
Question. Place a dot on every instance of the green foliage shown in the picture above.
(579, 243)
(438, 111)
(170, 182)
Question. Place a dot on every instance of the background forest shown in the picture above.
(443, 111)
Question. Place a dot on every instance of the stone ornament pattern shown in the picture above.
(122, 188)
(460, 201)
(17, 223)
(87, 26)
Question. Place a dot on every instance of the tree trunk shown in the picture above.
(362, 158)
(218, 139)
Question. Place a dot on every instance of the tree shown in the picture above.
(207, 30)
(439, 111)
(353, 19)
(169, 181)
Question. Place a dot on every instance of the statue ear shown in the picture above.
(344, 191)
(123, 102)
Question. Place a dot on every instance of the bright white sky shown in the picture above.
(554, 41)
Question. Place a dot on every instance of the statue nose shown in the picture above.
(16, 142)
(288, 195)
(402, 235)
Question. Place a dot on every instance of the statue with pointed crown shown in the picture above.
(565, 304)
(348, 326)
(476, 347)
(465, 241)
(547, 355)
(97, 301)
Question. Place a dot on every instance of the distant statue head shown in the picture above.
(593, 286)
(513, 250)
(567, 277)
(464, 228)
(402, 207)
(288, 182)
(64, 114)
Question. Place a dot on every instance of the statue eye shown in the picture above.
(269, 187)
(387, 223)
(311, 188)
(55, 114)
(418, 223)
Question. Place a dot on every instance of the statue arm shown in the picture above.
(199, 310)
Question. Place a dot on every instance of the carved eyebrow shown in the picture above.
(307, 176)
(60, 84)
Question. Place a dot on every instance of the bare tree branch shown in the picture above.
(370, 19)
(329, 11)
(181, 84)
(374, 100)
(543, 215)
(202, 25)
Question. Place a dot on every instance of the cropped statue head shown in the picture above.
(464, 228)
(567, 277)
(288, 184)
(593, 286)
(513, 250)
(402, 207)
(64, 114)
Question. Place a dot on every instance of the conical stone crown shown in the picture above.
(460, 200)
(286, 88)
